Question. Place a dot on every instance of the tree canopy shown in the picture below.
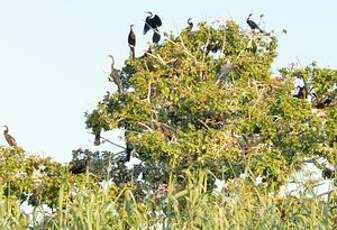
(203, 105)
(208, 98)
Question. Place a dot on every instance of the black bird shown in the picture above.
(302, 92)
(322, 102)
(152, 22)
(156, 36)
(97, 138)
(129, 148)
(78, 167)
(190, 25)
(253, 24)
(132, 42)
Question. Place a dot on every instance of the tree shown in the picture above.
(38, 180)
(208, 99)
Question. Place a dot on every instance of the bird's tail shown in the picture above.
(261, 30)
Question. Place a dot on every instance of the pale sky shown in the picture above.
(53, 64)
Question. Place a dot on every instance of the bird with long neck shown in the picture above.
(114, 75)
(302, 92)
(253, 24)
(152, 22)
(132, 42)
(190, 24)
(10, 140)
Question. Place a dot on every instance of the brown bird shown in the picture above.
(115, 76)
(10, 140)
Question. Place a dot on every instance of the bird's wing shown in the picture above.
(132, 39)
(147, 25)
(157, 21)
(11, 141)
(251, 24)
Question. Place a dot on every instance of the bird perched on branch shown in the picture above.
(153, 22)
(10, 140)
(253, 24)
(97, 138)
(114, 75)
(128, 151)
(302, 92)
(132, 42)
(320, 102)
(190, 24)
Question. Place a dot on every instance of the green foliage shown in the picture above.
(239, 205)
(37, 180)
(208, 99)
(201, 106)
(104, 166)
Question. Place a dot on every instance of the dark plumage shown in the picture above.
(132, 42)
(253, 24)
(302, 92)
(97, 138)
(190, 24)
(78, 167)
(322, 102)
(156, 36)
(153, 22)
(328, 173)
(129, 148)
(10, 140)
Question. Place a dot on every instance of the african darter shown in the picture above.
(153, 22)
(190, 25)
(10, 140)
(253, 24)
(114, 75)
(132, 42)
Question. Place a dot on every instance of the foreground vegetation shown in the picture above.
(240, 205)
(202, 106)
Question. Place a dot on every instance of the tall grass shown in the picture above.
(241, 205)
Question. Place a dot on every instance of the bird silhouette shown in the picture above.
(253, 24)
(156, 36)
(97, 138)
(153, 22)
(190, 24)
(10, 140)
(302, 92)
(132, 42)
